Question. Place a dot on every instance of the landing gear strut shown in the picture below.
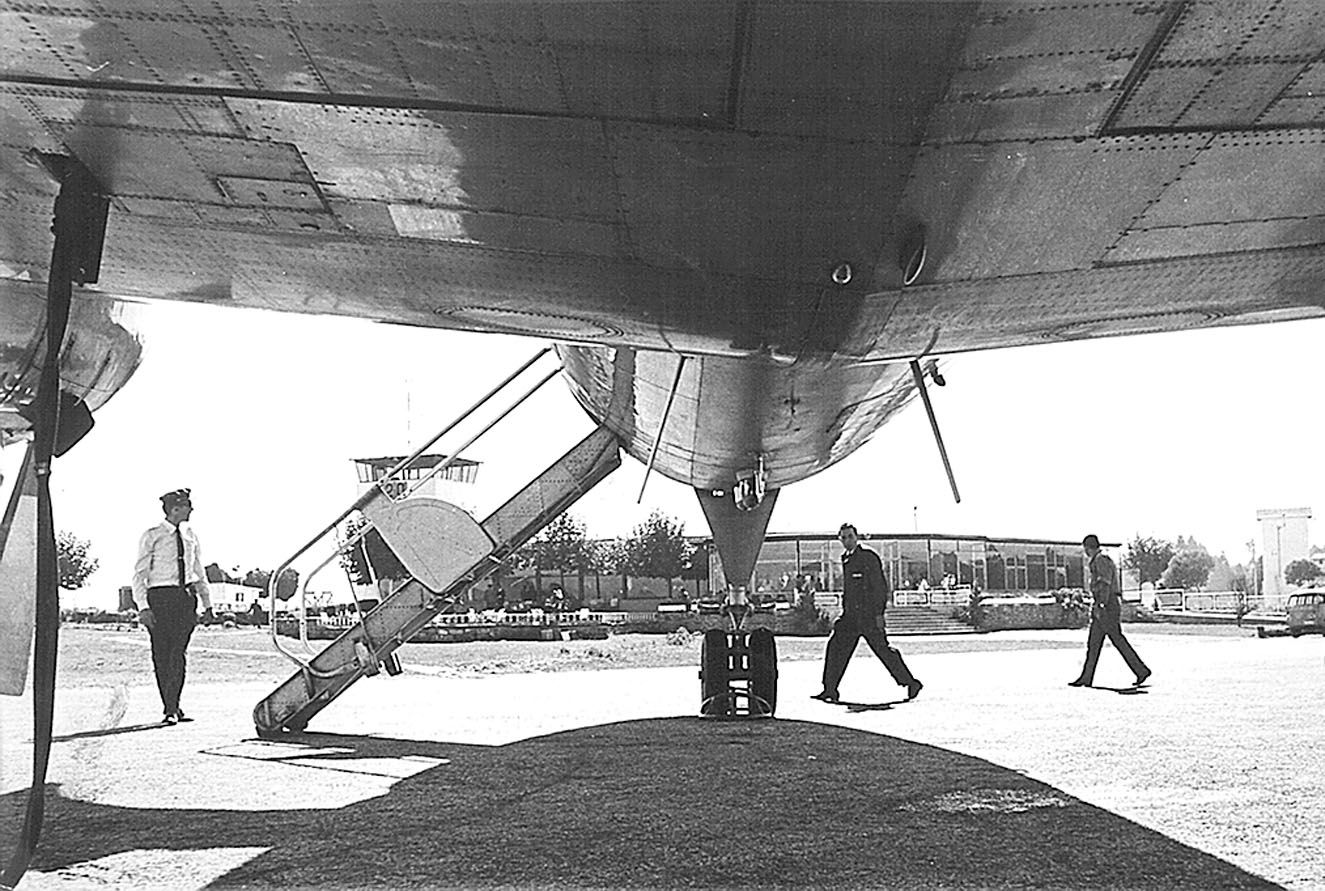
(738, 668)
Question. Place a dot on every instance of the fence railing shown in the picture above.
(1211, 601)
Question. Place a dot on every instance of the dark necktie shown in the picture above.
(179, 556)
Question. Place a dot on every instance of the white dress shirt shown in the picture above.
(158, 563)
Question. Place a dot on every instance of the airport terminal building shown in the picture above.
(916, 561)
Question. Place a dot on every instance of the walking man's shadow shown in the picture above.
(871, 706)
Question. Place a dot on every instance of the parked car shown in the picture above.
(1306, 612)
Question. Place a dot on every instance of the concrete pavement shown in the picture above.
(1219, 755)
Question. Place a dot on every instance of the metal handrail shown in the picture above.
(379, 490)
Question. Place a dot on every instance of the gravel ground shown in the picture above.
(515, 764)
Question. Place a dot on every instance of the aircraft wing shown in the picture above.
(716, 177)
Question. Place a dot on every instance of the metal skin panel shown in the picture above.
(870, 71)
(518, 165)
(1295, 111)
(669, 60)
(651, 176)
(135, 111)
(993, 209)
(101, 351)
(1209, 29)
(1237, 97)
(705, 201)
(728, 413)
(1161, 96)
(1217, 238)
(1278, 175)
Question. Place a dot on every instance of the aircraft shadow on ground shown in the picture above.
(678, 802)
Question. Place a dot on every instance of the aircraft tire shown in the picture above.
(713, 664)
(764, 667)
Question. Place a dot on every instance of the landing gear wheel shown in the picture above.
(763, 669)
(714, 662)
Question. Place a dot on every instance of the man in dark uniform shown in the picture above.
(864, 599)
(1105, 616)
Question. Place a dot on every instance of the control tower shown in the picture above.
(454, 484)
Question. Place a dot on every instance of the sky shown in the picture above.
(261, 414)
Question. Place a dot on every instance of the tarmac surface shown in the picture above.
(467, 772)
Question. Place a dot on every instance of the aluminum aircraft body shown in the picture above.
(743, 222)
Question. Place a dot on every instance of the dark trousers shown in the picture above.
(1107, 622)
(847, 632)
(174, 614)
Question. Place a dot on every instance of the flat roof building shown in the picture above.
(788, 561)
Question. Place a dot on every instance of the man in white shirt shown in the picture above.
(168, 581)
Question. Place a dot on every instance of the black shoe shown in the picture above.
(1141, 678)
(1079, 682)
(179, 715)
(913, 689)
(826, 697)
(170, 719)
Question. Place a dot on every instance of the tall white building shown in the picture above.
(1284, 539)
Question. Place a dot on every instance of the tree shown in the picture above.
(1148, 557)
(658, 548)
(1190, 566)
(286, 585)
(216, 574)
(382, 560)
(562, 546)
(257, 578)
(74, 562)
(1300, 571)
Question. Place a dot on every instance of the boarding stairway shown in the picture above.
(445, 552)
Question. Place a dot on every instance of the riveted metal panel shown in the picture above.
(485, 54)
(130, 162)
(670, 60)
(1311, 82)
(1296, 111)
(247, 158)
(158, 209)
(25, 235)
(522, 165)
(1131, 298)
(1252, 176)
(1032, 30)
(1217, 238)
(1211, 29)
(225, 215)
(515, 231)
(1016, 208)
(1073, 115)
(869, 70)
(366, 218)
(139, 111)
(24, 50)
(1062, 73)
(88, 49)
(1289, 28)
(270, 193)
(768, 205)
(357, 60)
(1236, 96)
(272, 57)
(1161, 96)
(18, 175)
(303, 221)
(178, 51)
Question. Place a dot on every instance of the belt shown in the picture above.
(176, 588)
